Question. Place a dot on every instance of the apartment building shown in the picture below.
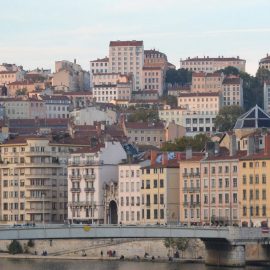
(127, 57)
(266, 96)
(254, 188)
(56, 106)
(193, 122)
(265, 62)
(232, 91)
(153, 79)
(129, 192)
(200, 102)
(110, 78)
(89, 169)
(160, 189)
(209, 187)
(106, 93)
(90, 115)
(99, 65)
(212, 64)
(70, 76)
(207, 82)
(16, 108)
(33, 171)
(155, 58)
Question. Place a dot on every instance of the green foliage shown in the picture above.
(229, 70)
(21, 92)
(176, 243)
(146, 115)
(169, 242)
(15, 247)
(30, 243)
(197, 143)
(180, 76)
(227, 117)
(263, 75)
(170, 100)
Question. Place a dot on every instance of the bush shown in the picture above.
(15, 247)
(30, 243)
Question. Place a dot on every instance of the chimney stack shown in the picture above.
(165, 159)
(188, 152)
(250, 145)
(232, 145)
(267, 144)
(153, 157)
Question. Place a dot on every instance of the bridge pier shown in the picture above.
(223, 253)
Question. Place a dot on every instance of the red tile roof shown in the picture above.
(144, 125)
(213, 59)
(126, 43)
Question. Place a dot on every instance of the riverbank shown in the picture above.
(135, 259)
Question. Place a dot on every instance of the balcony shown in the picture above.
(89, 176)
(45, 153)
(89, 189)
(75, 189)
(38, 199)
(85, 162)
(185, 174)
(75, 177)
(82, 204)
(191, 189)
(33, 175)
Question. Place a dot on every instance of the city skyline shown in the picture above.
(83, 30)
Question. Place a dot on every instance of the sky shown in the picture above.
(38, 33)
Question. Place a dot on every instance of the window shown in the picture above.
(155, 183)
(244, 165)
(161, 198)
(147, 184)
(244, 210)
(251, 179)
(155, 199)
(264, 179)
(235, 182)
(244, 179)
(250, 164)
(244, 194)
(155, 213)
(148, 215)
(161, 184)
(161, 213)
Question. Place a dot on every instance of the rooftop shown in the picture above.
(126, 43)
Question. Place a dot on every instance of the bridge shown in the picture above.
(224, 245)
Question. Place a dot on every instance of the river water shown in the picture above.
(21, 264)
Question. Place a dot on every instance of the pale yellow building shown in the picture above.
(159, 189)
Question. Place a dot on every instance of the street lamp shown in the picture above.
(43, 215)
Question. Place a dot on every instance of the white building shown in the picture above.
(266, 96)
(56, 106)
(99, 65)
(232, 91)
(194, 122)
(127, 57)
(89, 115)
(129, 192)
(212, 64)
(105, 93)
(88, 170)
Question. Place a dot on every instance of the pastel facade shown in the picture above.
(153, 79)
(129, 192)
(127, 57)
(207, 82)
(232, 91)
(265, 62)
(33, 180)
(89, 170)
(99, 65)
(212, 64)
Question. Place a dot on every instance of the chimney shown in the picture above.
(250, 145)
(267, 144)
(232, 145)
(153, 157)
(165, 159)
(188, 152)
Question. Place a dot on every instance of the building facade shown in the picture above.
(127, 57)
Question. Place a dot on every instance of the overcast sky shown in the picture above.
(36, 33)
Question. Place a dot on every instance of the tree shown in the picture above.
(180, 76)
(170, 100)
(227, 117)
(30, 243)
(181, 244)
(21, 92)
(146, 115)
(15, 247)
(230, 70)
(197, 143)
(263, 75)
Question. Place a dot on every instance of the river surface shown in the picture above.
(27, 264)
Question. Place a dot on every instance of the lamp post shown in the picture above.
(43, 214)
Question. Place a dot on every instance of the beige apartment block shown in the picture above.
(206, 82)
(153, 79)
(232, 91)
(212, 64)
(99, 65)
(127, 57)
(160, 190)
(33, 173)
